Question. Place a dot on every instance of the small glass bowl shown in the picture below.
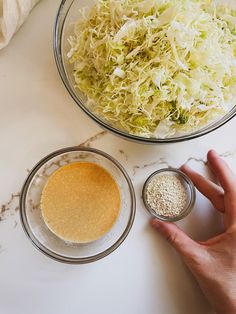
(191, 193)
(46, 241)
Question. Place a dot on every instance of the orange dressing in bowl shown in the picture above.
(80, 202)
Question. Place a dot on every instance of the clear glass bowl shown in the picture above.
(49, 243)
(67, 14)
(189, 187)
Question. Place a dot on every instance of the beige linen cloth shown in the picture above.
(12, 14)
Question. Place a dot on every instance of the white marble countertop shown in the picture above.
(37, 116)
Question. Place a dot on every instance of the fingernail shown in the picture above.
(185, 166)
(214, 152)
(155, 223)
(186, 169)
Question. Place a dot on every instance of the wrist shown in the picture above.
(225, 303)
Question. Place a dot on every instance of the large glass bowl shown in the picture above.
(42, 237)
(66, 16)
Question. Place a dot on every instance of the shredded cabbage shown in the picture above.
(156, 68)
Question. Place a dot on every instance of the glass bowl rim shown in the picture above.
(57, 33)
(190, 205)
(33, 238)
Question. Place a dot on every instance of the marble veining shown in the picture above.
(161, 161)
(38, 116)
(166, 163)
(123, 153)
(93, 138)
(12, 205)
(226, 154)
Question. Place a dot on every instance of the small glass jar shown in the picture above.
(188, 185)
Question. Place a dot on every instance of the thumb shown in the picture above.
(177, 238)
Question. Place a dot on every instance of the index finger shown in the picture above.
(209, 189)
(224, 174)
(227, 180)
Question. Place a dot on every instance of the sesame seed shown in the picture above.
(166, 195)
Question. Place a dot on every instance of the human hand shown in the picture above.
(212, 262)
